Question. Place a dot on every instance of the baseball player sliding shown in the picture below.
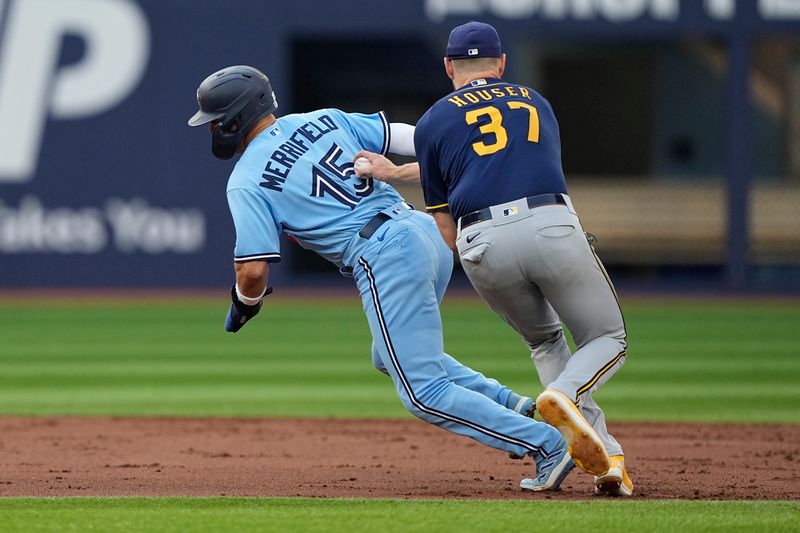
(295, 174)
(490, 164)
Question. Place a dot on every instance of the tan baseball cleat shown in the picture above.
(583, 443)
(615, 482)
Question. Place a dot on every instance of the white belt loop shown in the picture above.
(569, 204)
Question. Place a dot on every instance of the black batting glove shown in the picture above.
(239, 312)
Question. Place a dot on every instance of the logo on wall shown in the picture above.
(33, 87)
(127, 226)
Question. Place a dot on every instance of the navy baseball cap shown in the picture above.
(473, 39)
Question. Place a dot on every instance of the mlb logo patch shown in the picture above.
(478, 83)
(275, 132)
(510, 211)
(472, 52)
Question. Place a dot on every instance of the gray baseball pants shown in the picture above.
(535, 268)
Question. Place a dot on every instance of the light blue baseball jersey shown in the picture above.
(297, 176)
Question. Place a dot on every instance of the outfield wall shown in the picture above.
(103, 184)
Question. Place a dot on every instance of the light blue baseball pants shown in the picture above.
(402, 272)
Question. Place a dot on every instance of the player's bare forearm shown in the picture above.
(408, 173)
(381, 168)
(447, 227)
(251, 277)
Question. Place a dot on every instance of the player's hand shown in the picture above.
(240, 313)
(380, 167)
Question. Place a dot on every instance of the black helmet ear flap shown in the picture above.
(230, 124)
(227, 135)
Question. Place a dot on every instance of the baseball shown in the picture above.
(362, 163)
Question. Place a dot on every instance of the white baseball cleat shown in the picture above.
(550, 471)
(584, 445)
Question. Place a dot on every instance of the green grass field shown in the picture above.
(711, 361)
(715, 361)
(284, 514)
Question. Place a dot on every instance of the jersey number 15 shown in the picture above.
(495, 126)
(325, 179)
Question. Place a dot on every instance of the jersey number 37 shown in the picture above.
(495, 126)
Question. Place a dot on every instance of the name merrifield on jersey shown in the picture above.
(287, 154)
(475, 96)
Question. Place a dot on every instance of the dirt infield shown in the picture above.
(77, 456)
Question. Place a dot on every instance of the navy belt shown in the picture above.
(533, 201)
(372, 226)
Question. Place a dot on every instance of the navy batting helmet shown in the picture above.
(236, 97)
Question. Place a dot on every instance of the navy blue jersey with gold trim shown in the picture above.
(488, 143)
